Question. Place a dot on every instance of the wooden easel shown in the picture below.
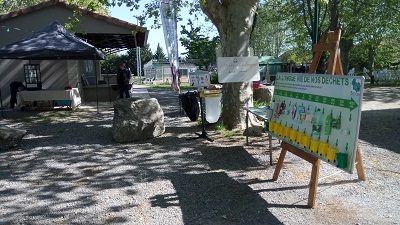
(329, 42)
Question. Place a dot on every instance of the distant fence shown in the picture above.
(384, 75)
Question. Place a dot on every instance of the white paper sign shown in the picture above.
(238, 69)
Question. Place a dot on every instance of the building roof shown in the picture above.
(102, 40)
(270, 60)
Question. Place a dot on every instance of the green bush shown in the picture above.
(214, 78)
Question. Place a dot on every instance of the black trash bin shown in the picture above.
(190, 104)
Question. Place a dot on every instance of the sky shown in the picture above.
(155, 35)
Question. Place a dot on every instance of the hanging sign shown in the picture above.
(238, 69)
(319, 114)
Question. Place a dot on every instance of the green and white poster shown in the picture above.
(319, 114)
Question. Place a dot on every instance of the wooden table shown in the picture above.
(26, 98)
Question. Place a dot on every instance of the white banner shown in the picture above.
(168, 19)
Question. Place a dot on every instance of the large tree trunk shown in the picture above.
(345, 47)
(371, 57)
(234, 20)
(334, 21)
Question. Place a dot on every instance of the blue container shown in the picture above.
(63, 102)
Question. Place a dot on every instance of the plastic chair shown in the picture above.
(351, 72)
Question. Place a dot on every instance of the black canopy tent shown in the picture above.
(54, 42)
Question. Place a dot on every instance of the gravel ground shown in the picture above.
(68, 170)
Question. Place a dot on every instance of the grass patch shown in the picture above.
(221, 128)
(168, 86)
(258, 104)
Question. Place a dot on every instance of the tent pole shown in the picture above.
(2, 109)
(97, 91)
(108, 82)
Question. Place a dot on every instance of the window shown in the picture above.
(183, 72)
(32, 76)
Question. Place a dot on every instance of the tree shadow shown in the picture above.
(229, 158)
(68, 159)
(71, 162)
(382, 94)
(215, 198)
(378, 126)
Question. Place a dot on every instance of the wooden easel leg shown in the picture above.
(279, 164)
(339, 67)
(359, 165)
(312, 194)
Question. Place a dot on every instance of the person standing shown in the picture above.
(15, 86)
(123, 78)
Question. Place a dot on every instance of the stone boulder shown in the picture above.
(137, 119)
(263, 94)
(256, 131)
(10, 137)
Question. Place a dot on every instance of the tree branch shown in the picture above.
(305, 20)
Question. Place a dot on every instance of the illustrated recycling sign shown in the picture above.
(345, 103)
(319, 114)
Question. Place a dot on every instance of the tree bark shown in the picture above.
(234, 22)
(334, 21)
(345, 46)
(371, 57)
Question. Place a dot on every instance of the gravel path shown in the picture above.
(68, 170)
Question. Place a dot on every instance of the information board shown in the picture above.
(199, 79)
(238, 69)
(319, 114)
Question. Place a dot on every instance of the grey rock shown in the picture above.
(137, 119)
(10, 137)
(263, 94)
(256, 131)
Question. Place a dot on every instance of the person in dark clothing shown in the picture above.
(15, 87)
(123, 78)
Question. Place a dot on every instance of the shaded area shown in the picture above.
(382, 94)
(68, 161)
(380, 127)
(215, 198)
(69, 171)
(229, 158)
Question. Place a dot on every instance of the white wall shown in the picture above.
(56, 74)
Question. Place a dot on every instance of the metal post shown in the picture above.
(108, 82)
(2, 109)
(97, 91)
